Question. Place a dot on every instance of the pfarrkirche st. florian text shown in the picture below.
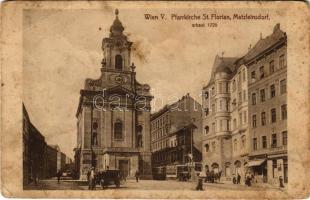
(207, 16)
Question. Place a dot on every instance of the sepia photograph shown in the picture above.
(185, 99)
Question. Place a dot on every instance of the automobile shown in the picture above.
(109, 177)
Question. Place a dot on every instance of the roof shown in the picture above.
(231, 64)
(265, 43)
(172, 105)
(222, 64)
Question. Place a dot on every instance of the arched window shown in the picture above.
(206, 95)
(215, 167)
(139, 136)
(207, 147)
(206, 129)
(227, 169)
(118, 130)
(118, 62)
(237, 167)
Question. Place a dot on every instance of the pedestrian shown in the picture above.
(58, 176)
(199, 183)
(88, 179)
(238, 178)
(92, 178)
(281, 182)
(137, 176)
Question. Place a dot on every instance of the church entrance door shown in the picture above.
(124, 168)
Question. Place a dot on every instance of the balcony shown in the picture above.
(271, 150)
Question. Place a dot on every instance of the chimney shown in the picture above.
(276, 27)
(250, 47)
(261, 36)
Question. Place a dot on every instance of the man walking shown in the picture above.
(137, 176)
(58, 176)
(238, 178)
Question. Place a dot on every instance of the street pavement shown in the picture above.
(52, 184)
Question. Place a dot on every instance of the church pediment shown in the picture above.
(120, 91)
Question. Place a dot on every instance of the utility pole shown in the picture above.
(91, 134)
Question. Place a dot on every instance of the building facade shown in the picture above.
(34, 148)
(176, 133)
(51, 160)
(267, 72)
(114, 113)
(225, 134)
(242, 104)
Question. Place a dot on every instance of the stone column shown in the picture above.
(269, 171)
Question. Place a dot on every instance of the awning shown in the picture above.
(253, 163)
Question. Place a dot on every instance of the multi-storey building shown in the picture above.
(224, 121)
(51, 159)
(34, 144)
(267, 72)
(176, 133)
(113, 128)
(242, 102)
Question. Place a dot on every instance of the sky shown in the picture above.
(63, 47)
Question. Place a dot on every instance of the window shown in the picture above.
(235, 123)
(284, 138)
(271, 67)
(262, 72)
(234, 85)
(272, 91)
(281, 61)
(243, 141)
(206, 111)
(253, 98)
(253, 76)
(227, 87)
(240, 118)
(254, 121)
(206, 129)
(213, 146)
(220, 104)
(235, 145)
(244, 116)
(243, 75)
(213, 127)
(274, 140)
(254, 143)
(206, 147)
(234, 103)
(283, 112)
(118, 62)
(263, 118)
(118, 130)
(240, 98)
(221, 125)
(220, 88)
(273, 115)
(264, 142)
(274, 168)
(283, 86)
(206, 95)
(262, 95)
(244, 95)
(213, 108)
(213, 91)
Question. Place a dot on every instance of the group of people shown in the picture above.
(237, 180)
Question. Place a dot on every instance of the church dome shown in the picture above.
(117, 26)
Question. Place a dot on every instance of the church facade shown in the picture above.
(113, 115)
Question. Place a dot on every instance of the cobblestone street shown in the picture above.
(52, 184)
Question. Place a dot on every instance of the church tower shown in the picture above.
(114, 113)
